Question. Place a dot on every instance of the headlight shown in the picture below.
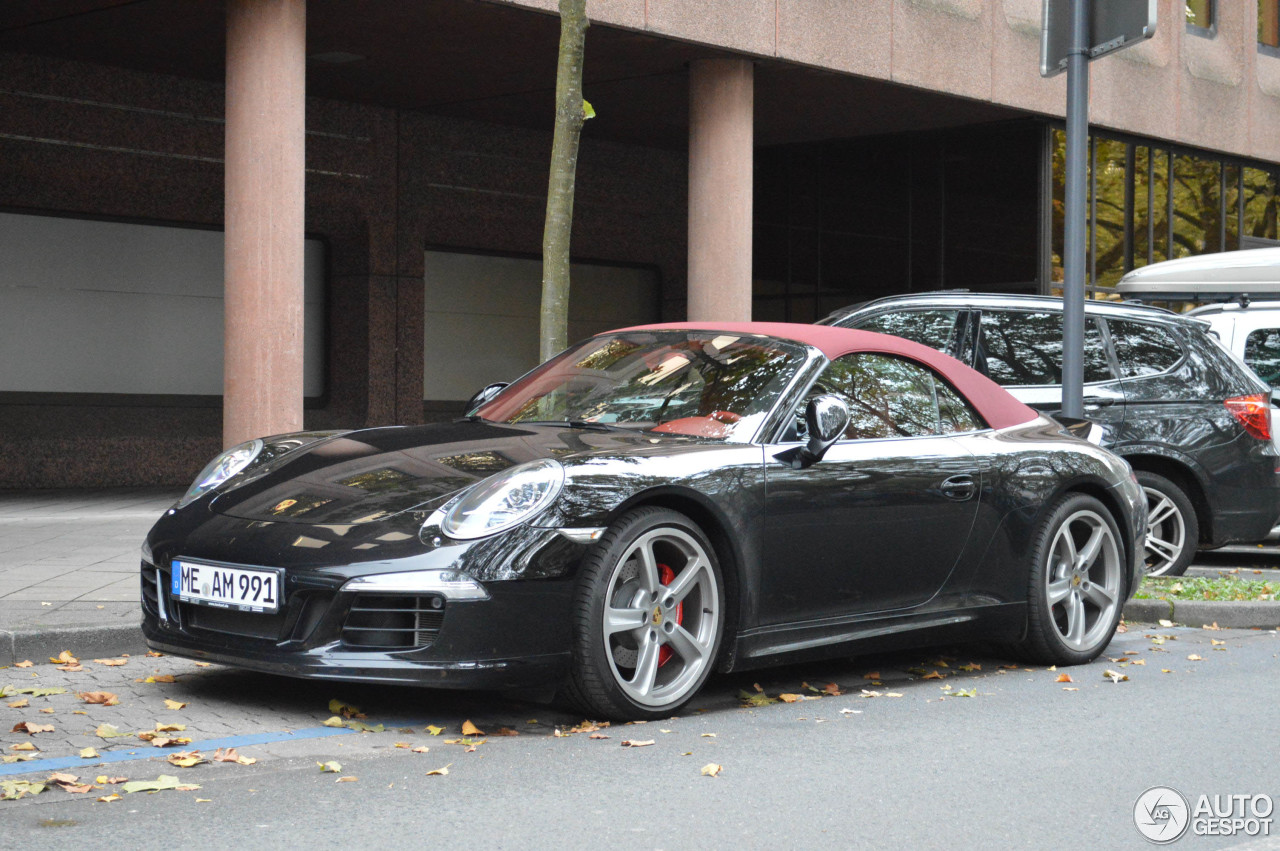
(505, 500)
(222, 468)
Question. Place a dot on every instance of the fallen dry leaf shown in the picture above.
(934, 675)
(346, 710)
(107, 799)
(421, 749)
(871, 675)
(175, 705)
(972, 666)
(832, 689)
(469, 729)
(435, 731)
(64, 658)
(1114, 676)
(330, 766)
(1064, 678)
(112, 663)
(1165, 623)
(347, 779)
(636, 743)
(186, 759)
(1195, 657)
(19, 704)
(48, 711)
(88, 753)
(108, 731)
(440, 772)
(158, 678)
(505, 731)
(597, 736)
(1070, 689)
(200, 664)
(154, 654)
(711, 769)
(790, 698)
(31, 728)
(230, 755)
(23, 746)
(103, 780)
(334, 721)
(73, 668)
(25, 663)
(104, 698)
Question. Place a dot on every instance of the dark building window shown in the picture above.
(1200, 14)
(1149, 203)
(845, 221)
(1269, 23)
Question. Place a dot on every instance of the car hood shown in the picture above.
(369, 475)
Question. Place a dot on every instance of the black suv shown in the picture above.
(1194, 422)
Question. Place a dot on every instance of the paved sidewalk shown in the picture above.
(69, 567)
(69, 573)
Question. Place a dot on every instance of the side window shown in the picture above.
(1143, 348)
(894, 397)
(1022, 347)
(937, 329)
(1262, 354)
(954, 413)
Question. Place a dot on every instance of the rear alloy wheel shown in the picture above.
(1077, 583)
(650, 612)
(1172, 529)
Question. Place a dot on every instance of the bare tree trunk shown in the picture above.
(570, 115)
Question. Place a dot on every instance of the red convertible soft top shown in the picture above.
(993, 402)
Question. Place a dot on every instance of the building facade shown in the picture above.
(767, 158)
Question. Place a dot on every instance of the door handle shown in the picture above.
(1099, 401)
(959, 488)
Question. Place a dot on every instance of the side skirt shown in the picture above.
(785, 643)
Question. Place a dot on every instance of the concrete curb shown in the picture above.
(1250, 614)
(85, 642)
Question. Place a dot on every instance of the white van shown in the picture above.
(1243, 288)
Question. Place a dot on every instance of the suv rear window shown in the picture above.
(1019, 347)
(1143, 349)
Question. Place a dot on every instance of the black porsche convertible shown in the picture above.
(651, 505)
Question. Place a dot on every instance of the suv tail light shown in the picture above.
(1253, 412)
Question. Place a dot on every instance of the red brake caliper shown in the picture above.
(666, 575)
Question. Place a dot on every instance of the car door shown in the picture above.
(880, 522)
(1021, 350)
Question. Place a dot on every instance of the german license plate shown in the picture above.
(242, 588)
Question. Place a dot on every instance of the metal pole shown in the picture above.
(1073, 248)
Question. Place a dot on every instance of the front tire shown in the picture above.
(1172, 528)
(1077, 583)
(649, 617)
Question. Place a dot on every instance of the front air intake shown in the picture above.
(386, 622)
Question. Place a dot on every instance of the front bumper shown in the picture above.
(518, 637)
(378, 620)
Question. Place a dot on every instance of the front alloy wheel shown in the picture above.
(650, 610)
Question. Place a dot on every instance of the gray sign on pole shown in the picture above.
(1113, 24)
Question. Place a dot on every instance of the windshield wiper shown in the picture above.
(583, 424)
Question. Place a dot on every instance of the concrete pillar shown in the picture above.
(721, 142)
(265, 177)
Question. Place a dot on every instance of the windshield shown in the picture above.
(699, 383)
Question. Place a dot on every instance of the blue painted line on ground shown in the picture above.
(35, 766)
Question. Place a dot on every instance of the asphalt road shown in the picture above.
(1027, 761)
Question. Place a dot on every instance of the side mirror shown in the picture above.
(825, 418)
(486, 393)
